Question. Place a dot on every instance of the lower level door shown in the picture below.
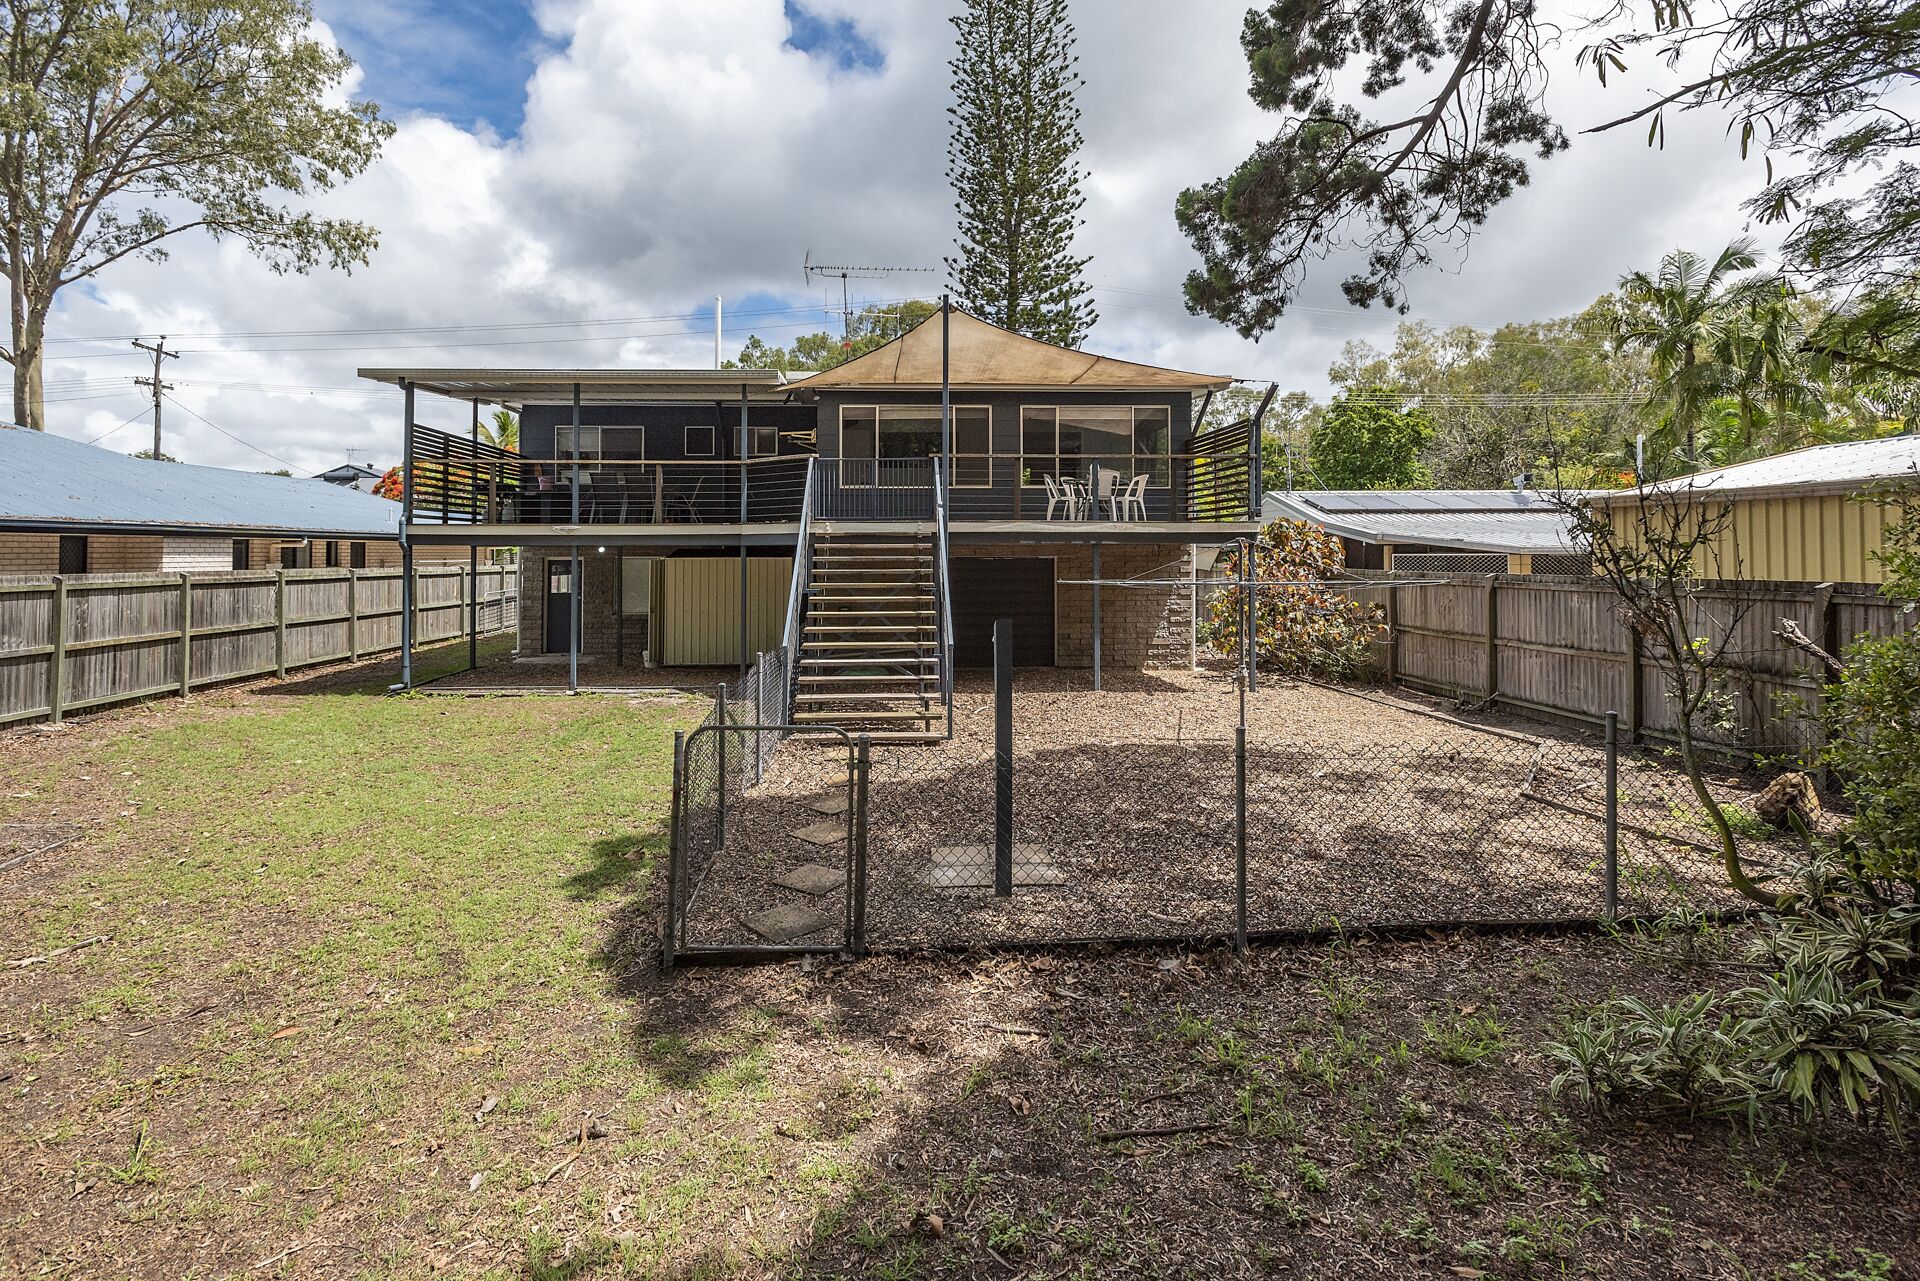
(559, 606)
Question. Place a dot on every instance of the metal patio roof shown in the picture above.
(513, 387)
(50, 483)
(1488, 520)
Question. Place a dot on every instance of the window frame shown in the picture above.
(588, 431)
(878, 411)
(686, 441)
(1135, 456)
(74, 547)
(242, 554)
(357, 555)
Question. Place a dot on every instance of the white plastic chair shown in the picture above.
(1060, 494)
(1130, 502)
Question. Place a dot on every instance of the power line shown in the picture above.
(229, 435)
(664, 318)
(103, 435)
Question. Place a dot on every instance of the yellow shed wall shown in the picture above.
(1826, 538)
(699, 617)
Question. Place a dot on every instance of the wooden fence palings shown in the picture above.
(80, 642)
(1543, 644)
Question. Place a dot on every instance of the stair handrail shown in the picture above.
(796, 591)
(941, 591)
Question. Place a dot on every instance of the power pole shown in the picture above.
(160, 352)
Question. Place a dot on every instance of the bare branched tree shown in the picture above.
(1661, 555)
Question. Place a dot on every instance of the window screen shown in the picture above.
(73, 553)
(357, 556)
(242, 554)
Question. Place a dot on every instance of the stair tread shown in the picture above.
(865, 715)
(875, 696)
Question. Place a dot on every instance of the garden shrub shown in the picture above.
(1303, 623)
(1832, 1026)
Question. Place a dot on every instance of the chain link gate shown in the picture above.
(766, 852)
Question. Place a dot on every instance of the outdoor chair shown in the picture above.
(1130, 503)
(1060, 493)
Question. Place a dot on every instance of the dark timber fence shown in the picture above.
(75, 642)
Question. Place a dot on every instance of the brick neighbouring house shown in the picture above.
(72, 508)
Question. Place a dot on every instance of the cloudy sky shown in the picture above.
(574, 180)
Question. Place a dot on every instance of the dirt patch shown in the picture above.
(1362, 811)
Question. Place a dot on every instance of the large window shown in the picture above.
(1068, 440)
(589, 442)
(882, 432)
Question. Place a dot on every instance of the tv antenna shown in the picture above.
(810, 269)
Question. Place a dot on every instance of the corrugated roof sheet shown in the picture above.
(1485, 520)
(1844, 467)
(984, 355)
(49, 481)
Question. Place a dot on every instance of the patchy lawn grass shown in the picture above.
(374, 998)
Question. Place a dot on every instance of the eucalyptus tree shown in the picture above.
(124, 123)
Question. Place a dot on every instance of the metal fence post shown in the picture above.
(1003, 757)
(1611, 868)
(1240, 840)
(720, 745)
(1250, 620)
(857, 890)
(675, 824)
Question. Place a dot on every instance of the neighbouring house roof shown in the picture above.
(985, 355)
(1819, 469)
(1482, 520)
(50, 483)
(347, 473)
(516, 387)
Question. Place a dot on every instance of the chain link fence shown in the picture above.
(1079, 835)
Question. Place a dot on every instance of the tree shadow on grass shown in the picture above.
(613, 861)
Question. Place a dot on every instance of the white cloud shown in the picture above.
(670, 152)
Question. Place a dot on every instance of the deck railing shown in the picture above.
(457, 481)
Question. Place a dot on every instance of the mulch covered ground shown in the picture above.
(1363, 810)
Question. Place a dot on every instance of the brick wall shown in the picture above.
(29, 553)
(1139, 626)
(599, 627)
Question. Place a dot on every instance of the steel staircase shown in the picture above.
(871, 658)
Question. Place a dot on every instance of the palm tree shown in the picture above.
(1679, 317)
(502, 431)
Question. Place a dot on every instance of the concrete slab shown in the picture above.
(787, 923)
(968, 867)
(826, 832)
(831, 803)
(812, 878)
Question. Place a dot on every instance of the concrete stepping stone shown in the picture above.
(970, 867)
(812, 878)
(787, 923)
(833, 803)
(826, 832)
